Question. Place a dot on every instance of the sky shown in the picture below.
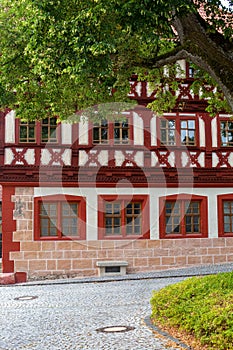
(225, 2)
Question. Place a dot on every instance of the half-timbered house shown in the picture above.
(153, 191)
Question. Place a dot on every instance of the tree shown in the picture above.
(58, 56)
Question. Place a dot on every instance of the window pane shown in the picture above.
(227, 219)
(184, 124)
(48, 219)
(168, 228)
(100, 132)
(163, 123)
(121, 132)
(23, 133)
(117, 221)
(227, 228)
(172, 217)
(192, 217)
(133, 218)
(228, 216)
(27, 132)
(95, 134)
(49, 130)
(112, 218)
(116, 134)
(171, 124)
(167, 132)
(187, 132)
(191, 124)
(117, 230)
(226, 133)
(129, 230)
(69, 214)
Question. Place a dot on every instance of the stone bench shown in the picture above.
(111, 268)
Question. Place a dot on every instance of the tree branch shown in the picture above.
(169, 58)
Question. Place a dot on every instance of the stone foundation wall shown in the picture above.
(72, 258)
(78, 258)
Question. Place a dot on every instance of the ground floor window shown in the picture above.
(123, 217)
(60, 217)
(183, 216)
(225, 215)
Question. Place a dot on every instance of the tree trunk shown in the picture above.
(212, 52)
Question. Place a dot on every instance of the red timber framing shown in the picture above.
(9, 227)
(205, 165)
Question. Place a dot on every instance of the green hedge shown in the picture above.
(201, 306)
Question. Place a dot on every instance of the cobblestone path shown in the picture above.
(66, 316)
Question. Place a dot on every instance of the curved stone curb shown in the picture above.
(150, 325)
(202, 270)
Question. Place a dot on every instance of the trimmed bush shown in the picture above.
(200, 306)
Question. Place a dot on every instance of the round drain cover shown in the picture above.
(115, 329)
(26, 297)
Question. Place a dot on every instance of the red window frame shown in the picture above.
(49, 126)
(27, 125)
(124, 200)
(58, 199)
(222, 119)
(182, 198)
(220, 201)
(110, 130)
(178, 119)
(38, 138)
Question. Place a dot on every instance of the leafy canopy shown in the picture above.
(60, 56)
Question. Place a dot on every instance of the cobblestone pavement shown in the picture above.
(67, 313)
(66, 316)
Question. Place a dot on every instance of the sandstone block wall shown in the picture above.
(78, 258)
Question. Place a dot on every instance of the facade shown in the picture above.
(153, 191)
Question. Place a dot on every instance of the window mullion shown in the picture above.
(123, 219)
(183, 216)
(59, 219)
(111, 133)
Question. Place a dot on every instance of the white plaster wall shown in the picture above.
(10, 127)
(202, 132)
(66, 133)
(214, 132)
(83, 131)
(153, 131)
(91, 195)
(138, 129)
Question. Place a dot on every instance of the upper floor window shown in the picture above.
(49, 130)
(111, 132)
(100, 132)
(121, 132)
(183, 216)
(60, 217)
(177, 132)
(191, 72)
(168, 132)
(187, 132)
(226, 133)
(27, 131)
